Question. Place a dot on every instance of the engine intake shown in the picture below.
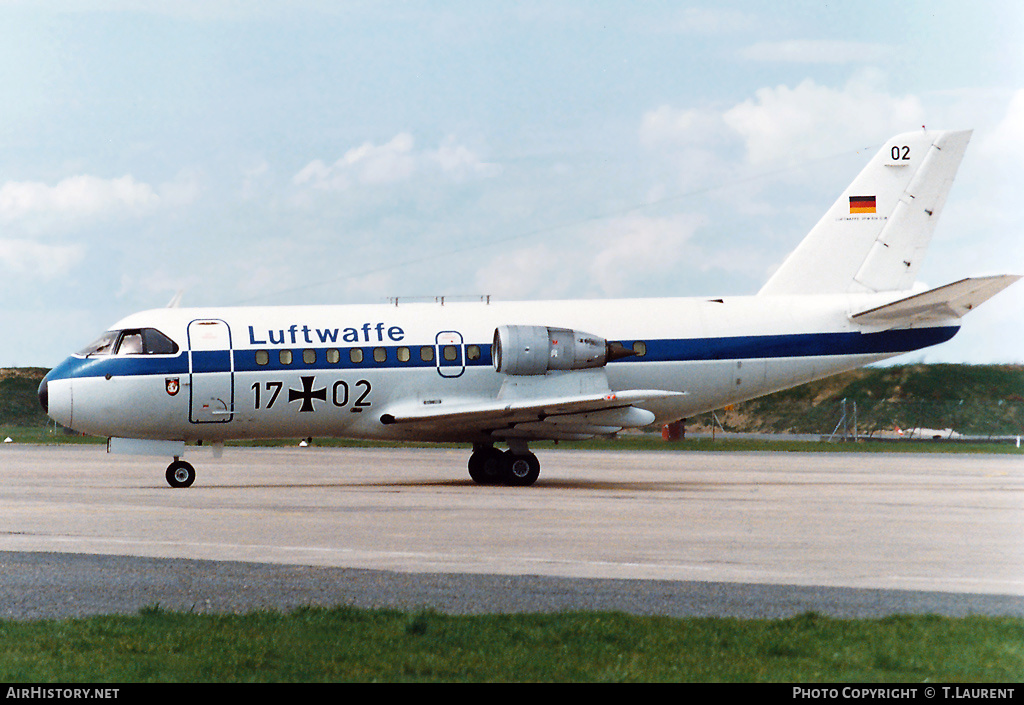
(537, 350)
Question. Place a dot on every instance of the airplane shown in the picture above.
(487, 372)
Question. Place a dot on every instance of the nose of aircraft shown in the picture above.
(44, 396)
(55, 397)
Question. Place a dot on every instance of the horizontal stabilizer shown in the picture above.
(943, 303)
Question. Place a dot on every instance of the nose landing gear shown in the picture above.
(180, 474)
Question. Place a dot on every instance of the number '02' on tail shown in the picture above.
(875, 235)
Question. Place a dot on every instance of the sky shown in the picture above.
(305, 151)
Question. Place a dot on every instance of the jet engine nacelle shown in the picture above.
(537, 350)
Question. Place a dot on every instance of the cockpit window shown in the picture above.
(104, 345)
(137, 341)
(156, 343)
(130, 343)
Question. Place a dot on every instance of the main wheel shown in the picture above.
(521, 470)
(486, 466)
(180, 474)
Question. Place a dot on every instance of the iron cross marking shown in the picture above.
(307, 394)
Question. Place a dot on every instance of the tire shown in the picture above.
(521, 470)
(180, 474)
(486, 466)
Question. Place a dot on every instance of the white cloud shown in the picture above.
(522, 273)
(784, 125)
(696, 143)
(1006, 140)
(253, 179)
(707, 21)
(395, 161)
(365, 164)
(680, 126)
(459, 161)
(814, 51)
(42, 261)
(632, 248)
(75, 196)
(616, 258)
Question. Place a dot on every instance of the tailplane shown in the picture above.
(874, 237)
(943, 303)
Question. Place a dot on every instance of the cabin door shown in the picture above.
(211, 372)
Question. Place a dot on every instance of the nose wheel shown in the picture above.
(180, 474)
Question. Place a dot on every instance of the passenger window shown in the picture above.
(640, 348)
(333, 356)
(427, 353)
(355, 355)
(262, 357)
(285, 356)
(451, 353)
(403, 354)
(472, 352)
(309, 356)
(380, 354)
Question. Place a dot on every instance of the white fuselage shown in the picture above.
(291, 372)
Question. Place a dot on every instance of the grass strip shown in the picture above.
(350, 644)
(40, 435)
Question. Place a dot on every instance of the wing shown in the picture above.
(554, 386)
(554, 417)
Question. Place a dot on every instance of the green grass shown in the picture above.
(42, 435)
(647, 442)
(654, 442)
(348, 644)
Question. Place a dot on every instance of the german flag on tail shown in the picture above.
(862, 204)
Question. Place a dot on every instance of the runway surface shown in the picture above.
(739, 534)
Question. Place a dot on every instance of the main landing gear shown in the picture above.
(517, 466)
(180, 474)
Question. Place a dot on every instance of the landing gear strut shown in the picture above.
(517, 466)
(180, 474)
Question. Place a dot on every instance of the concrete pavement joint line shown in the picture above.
(751, 575)
(437, 557)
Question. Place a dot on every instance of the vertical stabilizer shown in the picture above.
(875, 236)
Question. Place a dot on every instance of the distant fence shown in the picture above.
(875, 419)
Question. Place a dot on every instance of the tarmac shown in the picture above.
(760, 534)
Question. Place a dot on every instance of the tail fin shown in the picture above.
(875, 236)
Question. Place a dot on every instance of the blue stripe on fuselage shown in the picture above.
(794, 345)
(666, 350)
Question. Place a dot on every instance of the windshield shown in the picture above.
(136, 341)
(103, 345)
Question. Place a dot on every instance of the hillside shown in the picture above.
(985, 400)
(19, 396)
